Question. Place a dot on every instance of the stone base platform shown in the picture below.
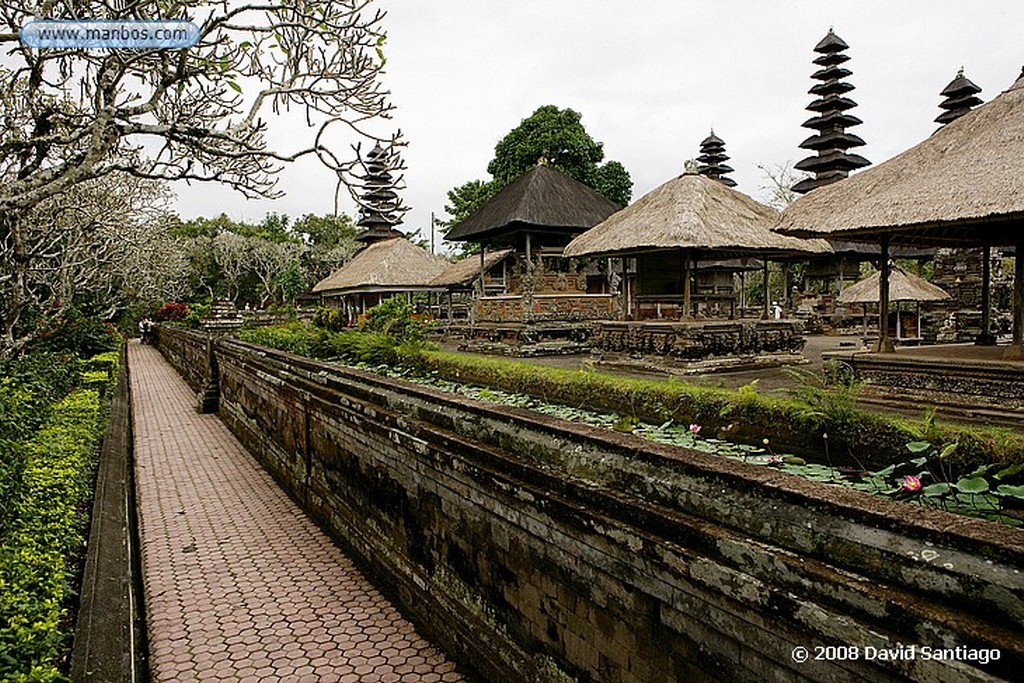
(973, 378)
(699, 346)
(523, 340)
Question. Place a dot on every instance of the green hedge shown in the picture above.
(45, 521)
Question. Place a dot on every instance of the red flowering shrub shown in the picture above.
(171, 311)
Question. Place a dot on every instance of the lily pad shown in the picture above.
(1010, 491)
(972, 485)
(936, 490)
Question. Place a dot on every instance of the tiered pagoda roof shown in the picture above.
(381, 208)
(712, 160)
(961, 97)
(831, 141)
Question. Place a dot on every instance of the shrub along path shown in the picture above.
(239, 584)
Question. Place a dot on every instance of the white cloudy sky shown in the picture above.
(650, 78)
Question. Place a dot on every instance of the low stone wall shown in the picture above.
(188, 352)
(109, 644)
(536, 549)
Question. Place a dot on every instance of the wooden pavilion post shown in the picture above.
(483, 251)
(627, 303)
(884, 344)
(743, 291)
(765, 314)
(1016, 348)
(686, 312)
(986, 338)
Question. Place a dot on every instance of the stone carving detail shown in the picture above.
(544, 307)
(698, 341)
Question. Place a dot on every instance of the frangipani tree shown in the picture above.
(195, 114)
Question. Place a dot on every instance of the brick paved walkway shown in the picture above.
(239, 584)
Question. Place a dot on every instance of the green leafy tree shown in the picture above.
(558, 136)
(613, 182)
(555, 134)
(325, 232)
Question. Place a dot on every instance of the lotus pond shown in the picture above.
(923, 479)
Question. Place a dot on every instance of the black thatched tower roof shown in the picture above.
(712, 160)
(961, 97)
(831, 141)
(542, 198)
(380, 207)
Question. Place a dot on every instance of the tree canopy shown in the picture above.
(558, 136)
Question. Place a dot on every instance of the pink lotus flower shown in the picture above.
(911, 483)
(695, 428)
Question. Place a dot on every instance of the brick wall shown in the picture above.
(536, 549)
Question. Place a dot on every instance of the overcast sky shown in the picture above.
(651, 78)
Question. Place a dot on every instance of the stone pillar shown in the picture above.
(222, 321)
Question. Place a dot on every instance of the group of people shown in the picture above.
(146, 330)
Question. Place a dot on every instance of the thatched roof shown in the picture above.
(540, 198)
(962, 184)
(903, 286)
(692, 212)
(464, 271)
(395, 264)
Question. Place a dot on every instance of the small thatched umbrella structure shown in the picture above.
(695, 215)
(381, 270)
(961, 187)
(903, 286)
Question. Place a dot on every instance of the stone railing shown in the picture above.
(535, 549)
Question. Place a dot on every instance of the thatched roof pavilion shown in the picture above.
(388, 266)
(696, 215)
(963, 186)
(542, 200)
